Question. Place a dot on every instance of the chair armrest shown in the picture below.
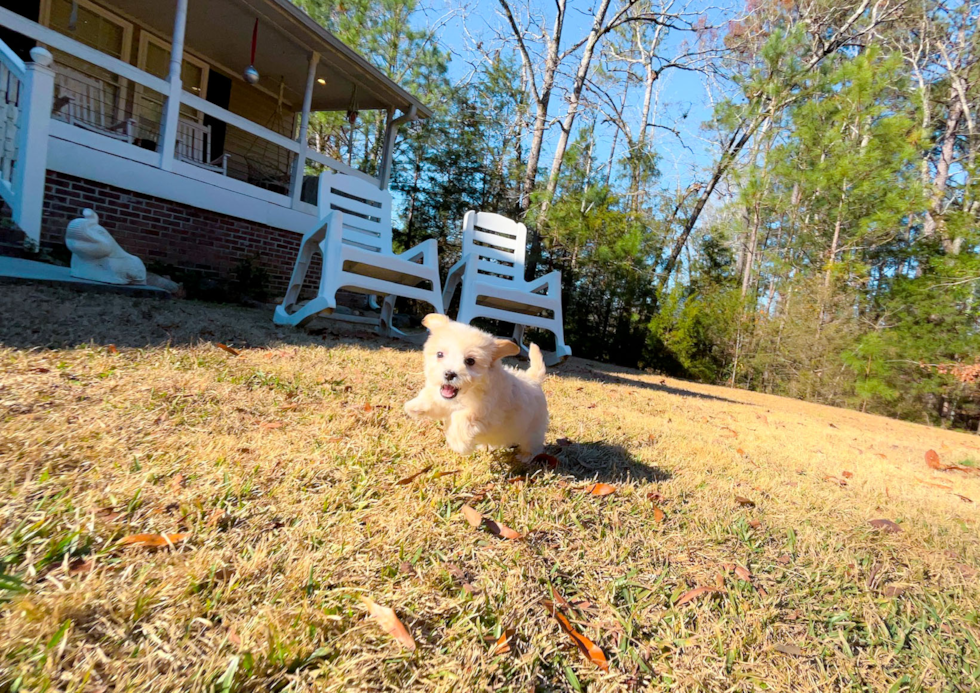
(552, 280)
(425, 249)
(458, 268)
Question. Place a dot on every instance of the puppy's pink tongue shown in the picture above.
(448, 391)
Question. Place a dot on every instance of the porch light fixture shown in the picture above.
(321, 80)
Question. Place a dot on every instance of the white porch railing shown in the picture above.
(26, 91)
(296, 147)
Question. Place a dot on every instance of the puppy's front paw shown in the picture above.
(459, 445)
(415, 408)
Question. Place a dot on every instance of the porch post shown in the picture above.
(304, 125)
(384, 174)
(32, 144)
(171, 107)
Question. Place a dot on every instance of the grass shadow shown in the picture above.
(602, 461)
(590, 371)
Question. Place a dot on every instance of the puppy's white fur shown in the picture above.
(482, 402)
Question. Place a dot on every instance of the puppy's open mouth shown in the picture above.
(448, 391)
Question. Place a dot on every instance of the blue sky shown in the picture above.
(685, 98)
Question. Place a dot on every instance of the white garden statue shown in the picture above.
(96, 256)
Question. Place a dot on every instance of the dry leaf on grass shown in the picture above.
(755, 524)
(439, 475)
(112, 349)
(785, 559)
(233, 637)
(744, 502)
(728, 432)
(500, 530)
(789, 649)
(476, 519)
(894, 591)
(225, 347)
(271, 425)
(601, 489)
(847, 475)
(659, 515)
(550, 461)
(588, 648)
(368, 408)
(387, 619)
(503, 645)
(886, 525)
(80, 567)
(694, 594)
(413, 477)
(963, 498)
(932, 459)
(473, 516)
(153, 541)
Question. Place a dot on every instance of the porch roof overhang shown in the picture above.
(222, 30)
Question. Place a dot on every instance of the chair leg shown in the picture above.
(385, 326)
(519, 338)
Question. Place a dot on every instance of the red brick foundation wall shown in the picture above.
(161, 231)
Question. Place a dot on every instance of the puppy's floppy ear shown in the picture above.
(433, 321)
(504, 347)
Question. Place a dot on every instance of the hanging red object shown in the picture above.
(251, 75)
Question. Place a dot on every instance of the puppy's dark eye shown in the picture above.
(439, 355)
(470, 361)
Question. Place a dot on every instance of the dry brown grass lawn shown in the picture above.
(282, 463)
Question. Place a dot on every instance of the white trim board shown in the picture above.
(186, 184)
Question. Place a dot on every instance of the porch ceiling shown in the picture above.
(222, 30)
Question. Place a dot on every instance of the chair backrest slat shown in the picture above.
(366, 209)
(497, 243)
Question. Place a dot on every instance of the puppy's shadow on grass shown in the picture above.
(602, 461)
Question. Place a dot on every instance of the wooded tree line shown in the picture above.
(829, 251)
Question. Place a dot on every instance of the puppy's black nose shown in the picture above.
(449, 375)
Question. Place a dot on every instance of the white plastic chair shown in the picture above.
(194, 146)
(354, 237)
(88, 105)
(492, 275)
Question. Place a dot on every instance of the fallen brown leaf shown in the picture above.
(728, 432)
(847, 475)
(225, 347)
(659, 515)
(473, 516)
(413, 477)
(368, 408)
(963, 498)
(154, 541)
(112, 349)
(744, 502)
(439, 475)
(886, 525)
(177, 482)
(894, 591)
(694, 594)
(789, 650)
(743, 573)
(386, 618)
(271, 425)
(785, 559)
(80, 567)
(500, 530)
(755, 524)
(601, 489)
(503, 643)
(932, 459)
(550, 461)
(233, 637)
(588, 648)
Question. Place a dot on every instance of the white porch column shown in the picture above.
(384, 174)
(304, 125)
(32, 144)
(171, 107)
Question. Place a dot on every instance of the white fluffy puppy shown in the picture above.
(482, 402)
